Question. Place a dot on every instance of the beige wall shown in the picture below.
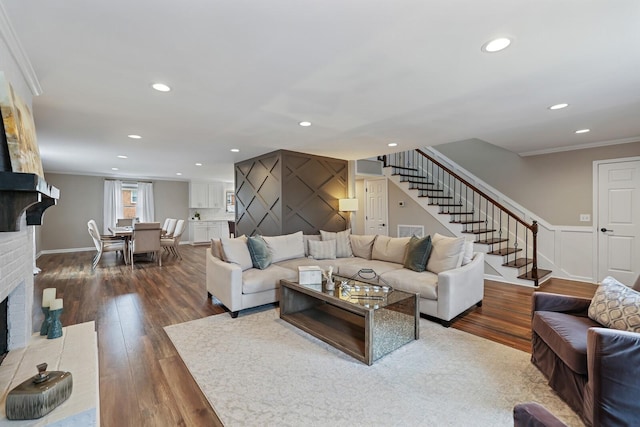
(558, 187)
(81, 199)
(410, 214)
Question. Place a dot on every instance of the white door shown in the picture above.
(619, 220)
(376, 209)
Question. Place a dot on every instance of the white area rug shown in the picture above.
(257, 370)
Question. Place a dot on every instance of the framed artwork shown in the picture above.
(20, 131)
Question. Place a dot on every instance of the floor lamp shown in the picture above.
(349, 206)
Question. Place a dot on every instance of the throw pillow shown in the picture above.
(285, 247)
(324, 249)
(616, 306)
(467, 252)
(418, 251)
(343, 245)
(259, 251)
(390, 249)
(361, 246)
(216, 248)
(237, 252)
(446, 253)
(306, 239)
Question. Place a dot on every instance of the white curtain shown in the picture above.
(112, 204)
(144, 206)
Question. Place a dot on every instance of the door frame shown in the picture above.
(595, 210)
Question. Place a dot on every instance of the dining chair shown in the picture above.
(145, 239)
(232, 228)
(171, 227)
(170, 244)
(165, 226)
(104, 243)
(124, 222)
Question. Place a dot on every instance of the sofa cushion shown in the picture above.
(305, 241)
(236, 251)
(259, 251)
(287, 246)
(446, 254)
(255, 280)
(424, 283)
(362, 245)
(418, 251)
(293, 264)
(566, 335)
(467, 255)
(325, 249)
(616, 306)
(390, 249)
(380, 267)
(343, 244)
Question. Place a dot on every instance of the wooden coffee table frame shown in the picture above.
(364, 333)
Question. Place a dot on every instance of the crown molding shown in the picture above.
(580, 146)
(8, 34)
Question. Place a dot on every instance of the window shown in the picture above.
(129, 199)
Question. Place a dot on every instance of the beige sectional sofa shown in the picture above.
(452, 282)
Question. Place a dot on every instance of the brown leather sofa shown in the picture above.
(596, 370)
(533, 414)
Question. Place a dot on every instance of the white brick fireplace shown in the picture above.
(16, 282)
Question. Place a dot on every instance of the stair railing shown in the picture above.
(493, 224)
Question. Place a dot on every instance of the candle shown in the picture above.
(48, 295)
(56, 304)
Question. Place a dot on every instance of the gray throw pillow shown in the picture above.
(260, 255)
(417, 254)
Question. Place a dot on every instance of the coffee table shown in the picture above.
(361, 319)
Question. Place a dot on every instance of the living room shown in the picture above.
(496, 115)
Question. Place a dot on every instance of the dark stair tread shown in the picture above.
(408, 175)
(517, 263)
(417, 187)
(530, 275)
(492, 241)
(455, 213)
(436, 197)
(467, 221)
(479, 231)
(504, 251)
(415, 181)
(446, 205)
(402, 167)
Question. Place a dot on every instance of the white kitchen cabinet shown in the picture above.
(199, 195)
(204, 231)
(206, 195)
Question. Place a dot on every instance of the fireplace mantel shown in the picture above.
(20, 192)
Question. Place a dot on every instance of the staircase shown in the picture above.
(508, 241)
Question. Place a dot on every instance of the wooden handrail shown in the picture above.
(477, 190)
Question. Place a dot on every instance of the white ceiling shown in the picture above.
(364, 72)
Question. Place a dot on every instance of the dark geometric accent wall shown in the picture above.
(284, 192)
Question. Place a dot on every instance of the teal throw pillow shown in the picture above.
(260, 255)
(417, 254)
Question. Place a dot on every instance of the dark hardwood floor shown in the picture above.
(143, 381)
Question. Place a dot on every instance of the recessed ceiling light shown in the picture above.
(559, 106)
(161, 87)
(114, 169)
(122, 157)
(134, 136)
(496, 45)
(235, 150)
(305, 124)
(392, 144)
(178, 173)
(583, 131)
(198, 164)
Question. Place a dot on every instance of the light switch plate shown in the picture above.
(585, 217)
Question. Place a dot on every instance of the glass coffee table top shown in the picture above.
(368, 295)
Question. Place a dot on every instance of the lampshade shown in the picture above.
(347, 205)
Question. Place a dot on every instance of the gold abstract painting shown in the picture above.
(20, 131)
